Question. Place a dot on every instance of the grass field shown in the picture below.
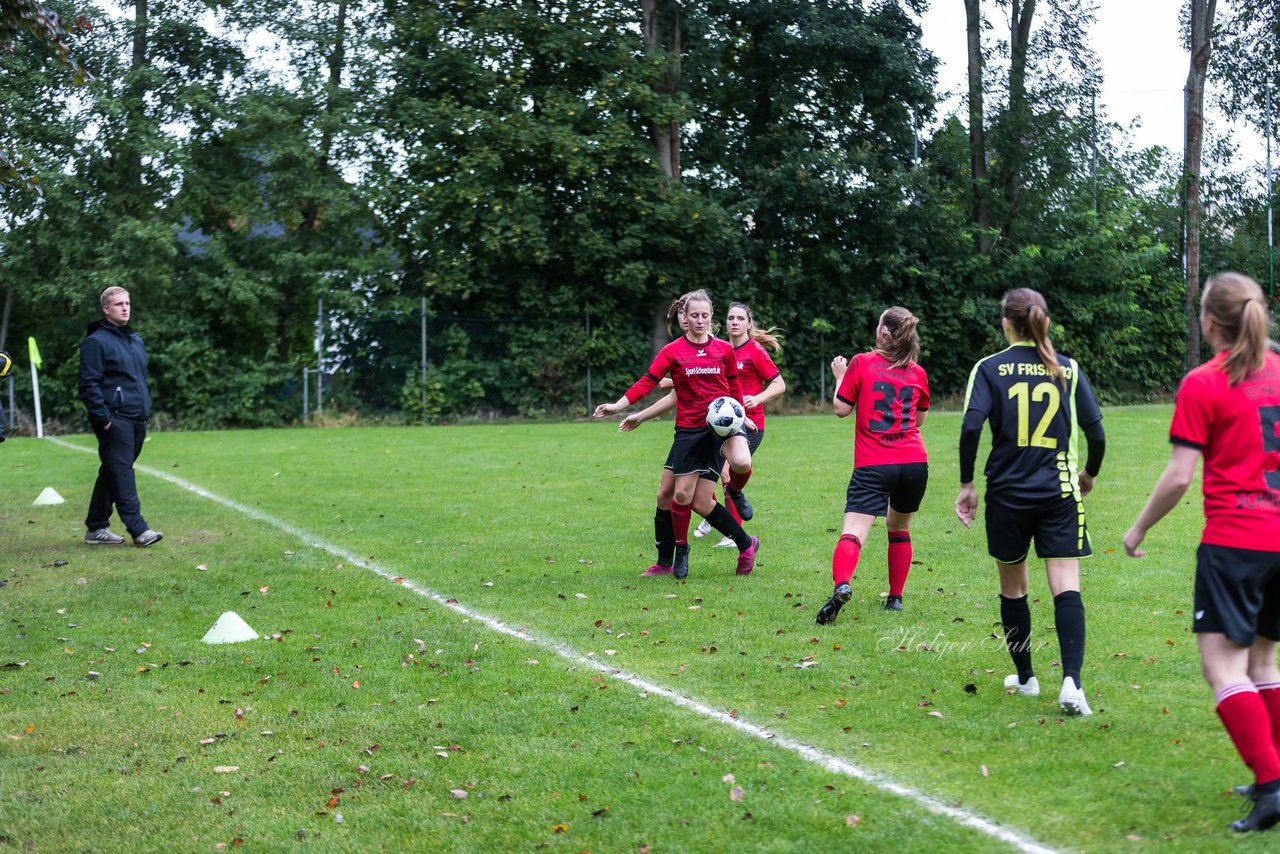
(382, 709)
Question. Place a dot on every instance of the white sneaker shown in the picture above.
(727, 543)
(703, 529)
(1030, 689)
(1072, 700)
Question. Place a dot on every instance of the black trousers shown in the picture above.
(118, 448)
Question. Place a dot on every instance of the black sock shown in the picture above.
(1068, 616)
(722, 520)
(664, 536)
(1016, 617)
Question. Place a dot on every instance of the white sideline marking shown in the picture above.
(829, 761)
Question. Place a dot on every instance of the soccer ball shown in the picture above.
(5, 364)
(725, 415)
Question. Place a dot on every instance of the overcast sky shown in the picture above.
(1144, 66)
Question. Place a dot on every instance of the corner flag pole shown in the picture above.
(33, 352)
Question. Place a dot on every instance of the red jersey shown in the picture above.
(885, 400)
(755, 371)
(1237, 428)
(701, 373)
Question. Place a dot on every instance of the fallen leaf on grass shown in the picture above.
(728, 778)
(204, 567)
(736, 793)
(458, 793)
(985, 773)
(852, 820)
(225, 769)
(559, 828)
(935, 714)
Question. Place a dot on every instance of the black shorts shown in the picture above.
(695, 450)
(1237, 593)
(873, 490)
(1057, 526)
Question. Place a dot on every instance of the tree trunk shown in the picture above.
(133, 153)
(662, 38)
(4, 320)
(977, 128)
(1202, 12)
(1016, 118)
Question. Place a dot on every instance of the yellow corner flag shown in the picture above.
(33, 352)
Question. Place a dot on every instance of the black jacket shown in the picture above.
(113, 374)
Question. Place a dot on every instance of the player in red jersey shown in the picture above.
(702, 368)
(1228, 412)
(761, 382)
(890, 394)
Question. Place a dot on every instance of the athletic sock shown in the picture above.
(730, 506)
(1270, 694)
(844, 561)
(899, 561)
(1015, 614)
(1068, 618)
(1245, 717)
(723, 522)
(680, 514)
(664, 536)
(738, 480)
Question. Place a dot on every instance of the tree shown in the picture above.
(977, 126)
(45, 26)
(1201, 43)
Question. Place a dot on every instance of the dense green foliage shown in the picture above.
(239, 165)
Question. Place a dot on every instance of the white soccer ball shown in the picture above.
(725, 415)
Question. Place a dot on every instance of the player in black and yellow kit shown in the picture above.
(5, 364)
(1036, 401)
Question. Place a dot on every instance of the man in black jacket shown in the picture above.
(113, 387)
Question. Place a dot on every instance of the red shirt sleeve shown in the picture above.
(1192, 413)
(765, 368)
(923, 405)
(851, 383)
(660, 368)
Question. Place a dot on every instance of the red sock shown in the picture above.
(738, 480)
(845, 559)
(1270, 694)
(899, 561)
(680, 514)
(731, 507)
(1244, 714)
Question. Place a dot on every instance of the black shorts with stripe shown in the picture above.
(1057, 526)
(1237, 593)
(873, 490)
(696, 450)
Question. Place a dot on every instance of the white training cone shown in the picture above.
(47, 496)
(229, 629)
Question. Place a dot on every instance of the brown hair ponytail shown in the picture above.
(1028, 315)
(901, 345)
(1235, 304)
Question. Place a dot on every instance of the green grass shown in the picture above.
(546, 527)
